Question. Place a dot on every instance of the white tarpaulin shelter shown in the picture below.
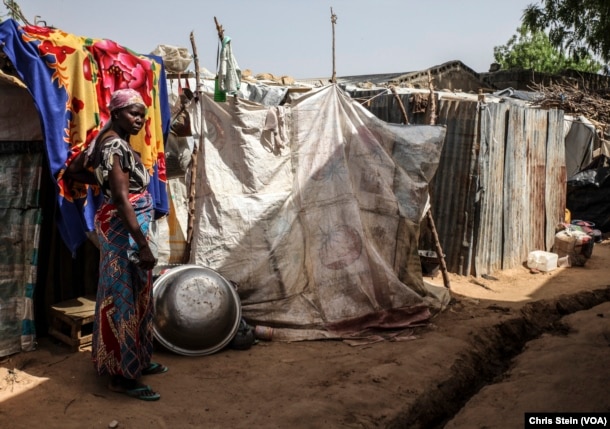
(313, 209)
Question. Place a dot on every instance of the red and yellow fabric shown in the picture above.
(71, 79)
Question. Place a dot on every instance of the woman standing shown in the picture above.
(122, 330)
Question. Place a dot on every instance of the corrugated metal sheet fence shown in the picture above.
(500, 187)
(490, 195)
(455, 185)
(556, 175)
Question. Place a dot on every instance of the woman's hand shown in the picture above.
(119, 187)
(147, 260)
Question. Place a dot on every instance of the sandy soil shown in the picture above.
(519, 342)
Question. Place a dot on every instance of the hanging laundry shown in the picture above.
(274, 122)
(229, 73)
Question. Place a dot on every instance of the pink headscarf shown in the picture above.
(123, 98)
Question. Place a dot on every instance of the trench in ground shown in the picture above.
(490, 356)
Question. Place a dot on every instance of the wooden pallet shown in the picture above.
(72, 321)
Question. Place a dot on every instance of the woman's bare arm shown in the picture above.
(119, 187)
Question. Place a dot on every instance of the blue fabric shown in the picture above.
(36, 53)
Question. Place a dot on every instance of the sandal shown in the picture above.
(133, 389)
(144, 393)
(154, 368)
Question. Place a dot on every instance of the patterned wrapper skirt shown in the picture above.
(122, 329)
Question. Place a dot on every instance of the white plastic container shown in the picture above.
(576, 245)
(542, 261)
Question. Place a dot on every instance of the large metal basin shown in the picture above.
(197, 311)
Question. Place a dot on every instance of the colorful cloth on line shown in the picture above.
(71, 79)
(122, 341)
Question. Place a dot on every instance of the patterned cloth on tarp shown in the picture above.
(71, 79)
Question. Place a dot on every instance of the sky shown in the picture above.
(295, 38)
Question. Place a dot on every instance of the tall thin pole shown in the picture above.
(333, 20)
(431, 119)
(192, 183)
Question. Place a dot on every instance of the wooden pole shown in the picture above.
(431, 108)
(193, 178)
(333, 20)
(194, 156)
(401, 105)
(221, 31)
(439, 249)
(431, 118)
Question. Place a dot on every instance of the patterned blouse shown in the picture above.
(138, 174)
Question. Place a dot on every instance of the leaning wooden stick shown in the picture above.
(439, 249)
(220, 30)
(192, 183)
(401, 105)
(431, 116)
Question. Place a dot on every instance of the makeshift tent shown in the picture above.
(66, 82)
(21, 155)
(313, 209)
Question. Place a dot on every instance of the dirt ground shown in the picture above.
(519, 342)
